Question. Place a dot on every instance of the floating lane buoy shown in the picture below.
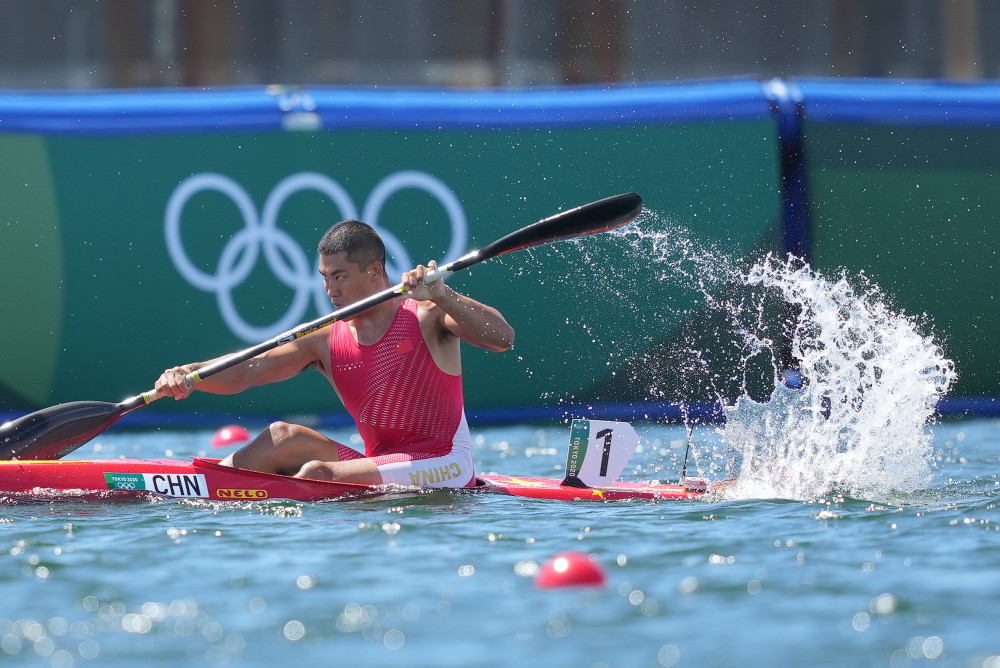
(230, 435)
(571, 569)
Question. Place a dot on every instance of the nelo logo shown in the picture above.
(241, 493)
(284, 256)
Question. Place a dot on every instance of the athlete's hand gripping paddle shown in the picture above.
(54, 432)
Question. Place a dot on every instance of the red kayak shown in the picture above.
(597, 454)
(202, 478)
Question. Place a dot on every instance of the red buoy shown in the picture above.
(571, 569)
(231, 435)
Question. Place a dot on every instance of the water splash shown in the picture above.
(641, 283)
(857, 425)
(676, 255)
(852, 419)
(723, 330)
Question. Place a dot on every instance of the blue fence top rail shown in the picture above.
(570, 106)
(906, 102)
(139, 112)
(315, 108)
(324, 107)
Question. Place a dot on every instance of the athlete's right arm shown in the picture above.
(273, 366)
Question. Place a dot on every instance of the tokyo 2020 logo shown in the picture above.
(261, 238)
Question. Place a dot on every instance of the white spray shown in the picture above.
(858, 425)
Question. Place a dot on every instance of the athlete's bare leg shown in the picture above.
(283, 448)
(361, 471)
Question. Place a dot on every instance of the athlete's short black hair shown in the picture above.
(359, 240)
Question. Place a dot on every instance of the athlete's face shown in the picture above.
(347, 282)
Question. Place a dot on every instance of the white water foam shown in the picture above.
(858, 425)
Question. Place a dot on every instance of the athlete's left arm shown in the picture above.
(463, 316)
(475, 322)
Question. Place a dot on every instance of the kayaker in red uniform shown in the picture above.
(396, 367)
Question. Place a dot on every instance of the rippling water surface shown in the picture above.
(445, 579)
(850, 534)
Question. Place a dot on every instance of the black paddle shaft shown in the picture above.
(54, 432)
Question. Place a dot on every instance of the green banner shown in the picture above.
(914, 209)
(128, 254)
(32, 275)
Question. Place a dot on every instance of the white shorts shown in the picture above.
(454, 469)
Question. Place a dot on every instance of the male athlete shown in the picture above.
(396, 367)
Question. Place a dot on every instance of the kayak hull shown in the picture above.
(550, 488)
(202, 478)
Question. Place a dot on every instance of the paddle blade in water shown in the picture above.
(56, 431)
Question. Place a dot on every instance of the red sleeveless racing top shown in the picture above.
(399, 398)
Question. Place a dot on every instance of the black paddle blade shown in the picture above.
(599, 216)
(56, 431)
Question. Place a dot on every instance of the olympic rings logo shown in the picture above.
(283, 255)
